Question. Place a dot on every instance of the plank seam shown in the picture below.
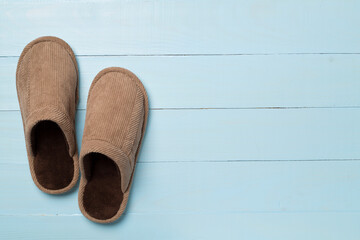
(227, 108)
(226, 161)
(188, 213)
(200, 54)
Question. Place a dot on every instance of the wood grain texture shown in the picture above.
(225, 135)
(223, 81)
(252, 226)
(254, 128)
(206, 188)
(184, 27)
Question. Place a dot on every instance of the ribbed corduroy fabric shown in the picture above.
(46, 82)
(116, 117)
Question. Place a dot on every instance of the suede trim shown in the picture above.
(51, 114)
(66, 126)
(112, 152)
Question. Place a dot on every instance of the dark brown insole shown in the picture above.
(54, 167)
(102, 193)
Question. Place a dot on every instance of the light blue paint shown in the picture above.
(252, 226)
(184, 27)
(226, 135)
(223, 81)
(244, 171)
(207, 188)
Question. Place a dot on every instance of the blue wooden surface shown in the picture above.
(257, 81)
(254, 123)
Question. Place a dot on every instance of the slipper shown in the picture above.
(116, 116)
(46, 83)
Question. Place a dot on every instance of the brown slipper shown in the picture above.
(116, 116)
(46, 83)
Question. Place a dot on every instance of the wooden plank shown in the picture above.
(184, 27)
(223, 81)
(258, 226)
(206, 188)
(225, 135)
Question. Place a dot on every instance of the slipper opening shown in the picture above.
(102, 194)
(53, 166)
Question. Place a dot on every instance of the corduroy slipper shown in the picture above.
(46, 83)
(116, 116)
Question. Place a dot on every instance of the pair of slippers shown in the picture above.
(117, 110)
